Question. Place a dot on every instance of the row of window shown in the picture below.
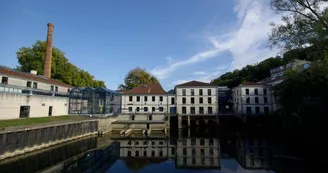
(257, 110)
(193, 161)
(145, 153)
(153, 98)
(192, 100)
(192, 92)
(201, 142)
(256, 99)
(202, 152)
(256, 91)
(200, 111)
(145, 109)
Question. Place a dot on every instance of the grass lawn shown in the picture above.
(28, 121)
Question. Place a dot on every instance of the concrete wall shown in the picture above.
(39, 105)
(196, 96)
(20, 141)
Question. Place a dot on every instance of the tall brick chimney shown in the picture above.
(48, 57)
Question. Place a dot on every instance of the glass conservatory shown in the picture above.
(94, 101)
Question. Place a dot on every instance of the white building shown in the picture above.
(198, 153)
(196, 98)
(253, 98)
(145, 99)
(31, 95)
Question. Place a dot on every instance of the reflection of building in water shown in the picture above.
(146, 147)
(198, 153)
(253, 153)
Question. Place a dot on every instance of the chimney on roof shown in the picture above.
(48, 56)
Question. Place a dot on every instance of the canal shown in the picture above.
(187, 150)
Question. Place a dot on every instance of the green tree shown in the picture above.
(135, 77)
(32, 58)
(303, 22)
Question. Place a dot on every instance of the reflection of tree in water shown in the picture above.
(136, 164)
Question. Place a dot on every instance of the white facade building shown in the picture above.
(253, 98)
(196, 98)
(31, 95)
(146, 99)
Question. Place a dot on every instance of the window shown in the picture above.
(265, 100)
(184, 151)
(130, 109)
(193, 161)
(145, 142)
(192, 110)
(138, 98)
(192, 92)
(161, 153)
(203, 161)
(211, 152)
(256, 91)
(137, 153)
(252, 162)
(153, 109)
(257, 109)
(248, 100)
(212, 161)
(209, 110)
(193, 152)
(161, 143)
(145, 109)
(202, 152)
(185, 161)
(35, 85)
(201, 100)
(146, 98)
(161, 109)
(129, 153)
(192, 100)
(129, 142)
(200, 92)
(172, 101)
(266, 110)
(137, 143)
(138, 109)
(56, 88)
(172, 151)
(29, 84)
(193, 141)
(248, 110)
(4, 80)
(51, 88)
(201, 110)
(145, 153)
(237, 92)
(183, 92)
(160, 98)
(184, 110)
(209, 92)
(153, 98)
(183, 100)
(209, 100)
(152, 153)
(68, 90)
(265, 91)
(130, 98)
(256, 100)
(202, 142)
(247, 91)
(211, 142)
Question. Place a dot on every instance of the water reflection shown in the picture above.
(186, 151)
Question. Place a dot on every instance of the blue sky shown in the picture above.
(174, 40)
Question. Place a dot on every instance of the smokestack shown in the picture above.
(48, 57)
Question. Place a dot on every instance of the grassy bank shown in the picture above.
(28, 121)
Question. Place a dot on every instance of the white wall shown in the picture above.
(10, 105)
(205, 96)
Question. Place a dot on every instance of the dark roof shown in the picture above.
(172, 91)
(11, 72)
(195, 83)
(155, 88)
(121, 91)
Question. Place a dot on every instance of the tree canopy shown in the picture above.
(135, 77)
(304, 22)
(32, 58)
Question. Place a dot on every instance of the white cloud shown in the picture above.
(199, 73)
(245, 40)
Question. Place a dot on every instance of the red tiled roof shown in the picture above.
(195, 83)
(28, 76)
(155, 88)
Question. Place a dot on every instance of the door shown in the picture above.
(50, 111)
(24, 112)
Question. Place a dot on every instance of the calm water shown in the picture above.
(184, 151)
